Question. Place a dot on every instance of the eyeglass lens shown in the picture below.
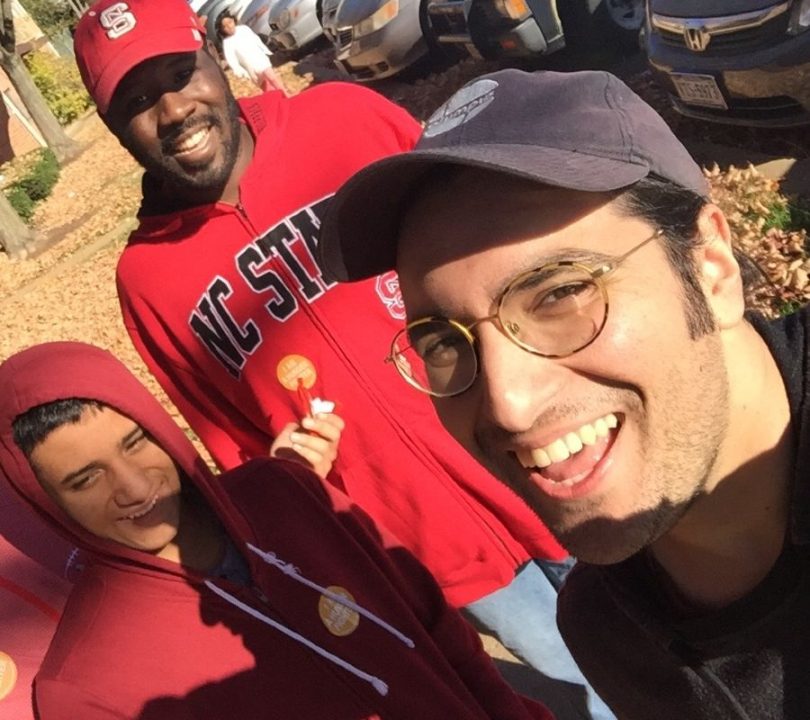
(553, 311)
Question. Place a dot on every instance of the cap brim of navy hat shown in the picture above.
(358, 238)
(165, 42)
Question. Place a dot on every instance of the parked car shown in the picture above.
(515, 28)
(743, 62)
(294, 23)
(256, 17)
(374, 39)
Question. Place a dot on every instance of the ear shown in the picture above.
(717, 268)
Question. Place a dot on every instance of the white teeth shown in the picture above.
(143, 512)
(569, 444)
(601, 428)
(573, 442)
(558, 450)
(539, 458)
(587, 434)
(191, 142)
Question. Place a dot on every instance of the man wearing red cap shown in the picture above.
(225, 300)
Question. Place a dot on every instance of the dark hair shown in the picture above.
(675, 210)
(34, 425)
(225, 14)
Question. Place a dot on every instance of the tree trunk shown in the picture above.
(55, 136)
(15, 236)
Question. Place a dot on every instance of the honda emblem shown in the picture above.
(696, 37)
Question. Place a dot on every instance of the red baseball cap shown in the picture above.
(114, 36)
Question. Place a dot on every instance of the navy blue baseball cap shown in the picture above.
(582, 131)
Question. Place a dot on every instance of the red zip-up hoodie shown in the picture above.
(223, 302)
(144, 638)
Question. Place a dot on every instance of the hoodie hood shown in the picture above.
(62, 370)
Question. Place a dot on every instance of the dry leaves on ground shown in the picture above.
(750, 201)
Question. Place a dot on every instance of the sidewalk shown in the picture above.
(793, 174)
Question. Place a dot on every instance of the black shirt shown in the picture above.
(651, 656)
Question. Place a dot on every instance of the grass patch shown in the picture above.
(35, 177)
(790, 216)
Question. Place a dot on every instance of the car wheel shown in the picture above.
(440, 55)
(601, 27)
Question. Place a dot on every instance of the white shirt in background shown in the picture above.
(245, 53)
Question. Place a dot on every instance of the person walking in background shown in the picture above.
(246, 54)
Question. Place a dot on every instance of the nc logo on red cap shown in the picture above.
(117, 20)
(388, 291)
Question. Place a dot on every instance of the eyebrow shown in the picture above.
(93, 465)
(131, 435)
(586, 256)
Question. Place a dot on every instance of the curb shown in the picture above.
(84, 253)
(792, 174)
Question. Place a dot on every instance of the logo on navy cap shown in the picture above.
(461, 108)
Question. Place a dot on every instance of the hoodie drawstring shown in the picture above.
(380, 686)
(293, 572)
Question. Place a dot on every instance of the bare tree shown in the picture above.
(15, 236)
(55, 136)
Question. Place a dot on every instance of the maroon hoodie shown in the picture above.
(145, 638)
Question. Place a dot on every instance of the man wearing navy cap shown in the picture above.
(576, 310)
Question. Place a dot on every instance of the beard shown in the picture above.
(210, 178)
(679, 436)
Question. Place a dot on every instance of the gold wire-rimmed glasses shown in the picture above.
(554, 311)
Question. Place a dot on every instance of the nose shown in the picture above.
(131, 486)
(173, 108)
(515, 385)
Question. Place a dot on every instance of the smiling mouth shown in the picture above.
(569, 458)
(145, 511)
(191, 142)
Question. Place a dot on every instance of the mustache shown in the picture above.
(606, 401)
(210, 120)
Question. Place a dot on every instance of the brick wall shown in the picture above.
(15, 138)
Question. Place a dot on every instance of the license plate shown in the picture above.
(699, 90)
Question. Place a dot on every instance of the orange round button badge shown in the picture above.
(339, 619)
(292, 368)
(8, 675)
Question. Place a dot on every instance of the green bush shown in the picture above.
(61, 85)
(43, 176)
(22, 204)
(35, 183)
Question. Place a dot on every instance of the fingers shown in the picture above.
(313, 447)
(327, 425)
(314, 442)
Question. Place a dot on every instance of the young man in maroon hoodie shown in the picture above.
(258, 594)
(223, 297)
